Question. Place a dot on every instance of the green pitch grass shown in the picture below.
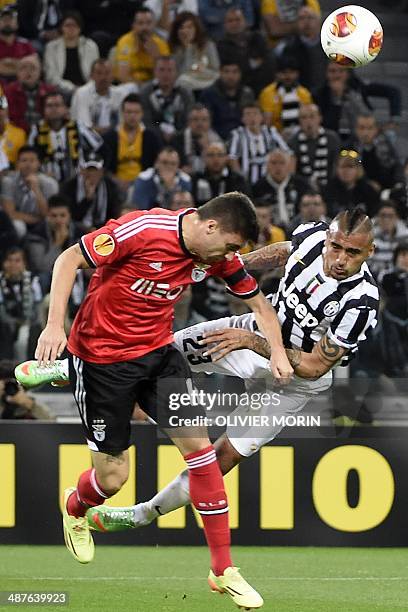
(131, 579)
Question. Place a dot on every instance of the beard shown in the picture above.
(8, 30)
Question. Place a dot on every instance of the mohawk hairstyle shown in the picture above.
(353, 222)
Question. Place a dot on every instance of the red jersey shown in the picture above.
(143, 267)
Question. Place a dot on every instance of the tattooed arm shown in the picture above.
(324, 356)
(268, 257)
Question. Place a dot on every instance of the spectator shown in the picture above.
(238, 41)
(399, 194)
(20, 296)
(137, 50)
(68, 59)
(316, 149)
(192, 142)
(156, 186)
(212, 14)
(15, 403)
(280, 17)
(226, 98)
(130, 148)
(180, 200)
(281, 100)
(39, 19)
(262, 67)
(306, 48)
(217, 177)
(26, 191)
(107, 21)
(280, 188)
(349, 188)
(312, 208)
(389, 231)
(94, 196)
(8, 234)
(268, 233)
(165, 104)
(97, 103)
(395, 314)
(27, 94)
(55, 234)
(251, 143)
(60, 141)
(11, 136)
(166, 11)
(338, 102)
(197, 57)
(379, 158)
(12, 47)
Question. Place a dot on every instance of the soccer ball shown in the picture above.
(352, 36)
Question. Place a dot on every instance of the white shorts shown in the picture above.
(255, 371)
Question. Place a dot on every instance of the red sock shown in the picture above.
(87, 494)
(208, 495)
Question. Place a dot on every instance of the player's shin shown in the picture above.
(87, 494)
(209, 498)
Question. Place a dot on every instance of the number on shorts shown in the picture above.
(192, 357)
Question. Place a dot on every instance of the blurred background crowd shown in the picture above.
(115, 105)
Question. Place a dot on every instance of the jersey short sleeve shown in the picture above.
(305, 230)
(349, 328)
(239, 282)
(112, 242)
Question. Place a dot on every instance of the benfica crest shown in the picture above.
(199, 272)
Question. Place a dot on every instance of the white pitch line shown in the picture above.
(195, 578)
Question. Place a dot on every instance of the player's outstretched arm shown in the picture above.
(269, 325)
(324, 356)
(52, 340)
(268, 257)
(312, 365)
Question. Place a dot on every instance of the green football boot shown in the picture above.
(30, 374)
(107, 518)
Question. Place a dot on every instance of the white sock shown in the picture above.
(175, 495)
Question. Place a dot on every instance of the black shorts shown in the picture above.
(106, 394)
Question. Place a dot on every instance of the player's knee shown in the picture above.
(112, 483)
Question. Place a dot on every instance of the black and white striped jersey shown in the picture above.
(310, 304)
(251, 150)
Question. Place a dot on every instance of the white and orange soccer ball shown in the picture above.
(352, 36)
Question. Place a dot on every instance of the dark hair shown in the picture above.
(27, 149)
(168, 149)
(99, 60)
(287, 62)
(198, 106)
(75, 16)
(235, 213)
(354, 221)
(230, 62)
(253, 104)
(142, 9)
(388, 204)
(59, 199)
(200, 37)
(132, 98)
(54, 94)
(402, 247)
(15, 250)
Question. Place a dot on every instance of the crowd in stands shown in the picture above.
(107, 107)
